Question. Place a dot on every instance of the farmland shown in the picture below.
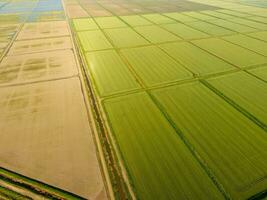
(127, 99)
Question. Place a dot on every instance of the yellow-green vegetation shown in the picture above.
(159, 164)
(197, 60)
(231, 144)
(259, 35)
(155, 67)
(234, 13)
(110, 73)
(110, 22)
(178, 92)
(156, 34)
(180, 17)
(217, 14)
(228, 51)
(200, 16)
(20, 187)
(249, 23)
(93, 40)
(6, 194)
(135, 20)
(210, 28)
(251, 98)
(260, 72)
(84, 24)
(158, 19)
(184, 31)
(249, 43)
(125, 37)
(233, 26)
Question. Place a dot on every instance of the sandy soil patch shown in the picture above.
(43, 30)
(40, 45)
(37, 67)
(45, 135)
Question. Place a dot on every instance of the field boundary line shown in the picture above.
(35, 186)
(109, 154)
(235, 105)
(192, 150)
(185, 81)
(259, 196)
(88, 101)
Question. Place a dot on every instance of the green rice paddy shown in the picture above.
(177, 89)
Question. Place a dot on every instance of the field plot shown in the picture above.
(151, 141)
(133, 99)
(39, 135)
(156, 34)
(146, 82)
(193, 108)
(43, 30)
(38, 66)
(260, 72)
(197, 60)
(185, 32)
(226, 50)
(47, 148)
(252, 98)
(210, 28)
(155, 67)
(125, 37)
(259, 35)
(93, 40)
(84, 24)
(240, 28)
(249, 43)
(105, 65)
(40, 45)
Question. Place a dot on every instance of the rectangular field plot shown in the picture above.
(76, 11)
(84, 24)
(260, 72)
(234, 13)
(46, 16)
(231, 145)
(42, 136)
(199, 16)
(135, 20)
(158, 19)
(43, 30)
(158, 163)
(217, 14)
(110, 22)
(259, 35)
(154, 66)
(210, 29)
(258, 19)
(37, 67)
(184, 31)
(125, 37)
(232, 53)
(180, 17)
(39, 45)
(250, 23)
(93, 40)
(233, 26)
(197, 60)
(249, 43)
(7, 19)
(111, 75)
(253, 97)
(156, 34)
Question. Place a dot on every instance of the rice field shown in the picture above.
(135, 99)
